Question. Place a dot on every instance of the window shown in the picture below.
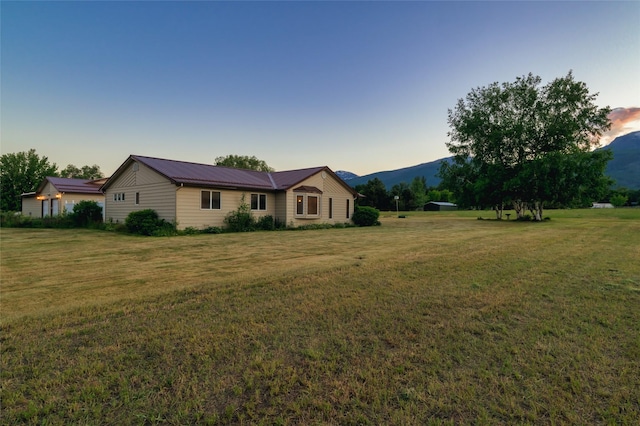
(330, 208)
(210, 200)
(118, 196)
(137, 197)
(300, 204)
(312, 205)
(347, 208)
(258, 202)
(308, 205)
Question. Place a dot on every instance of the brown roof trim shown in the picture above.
(305, 188)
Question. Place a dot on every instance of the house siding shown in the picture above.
(156, 192)
(180, 202)
(281, 207)
(189, 213)
(69, 200)
(331, 188)
(31, 206)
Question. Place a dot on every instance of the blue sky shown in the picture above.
(358, 86)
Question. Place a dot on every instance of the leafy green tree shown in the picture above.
(418, 188)
(19, 173)
(526, 144)
(86, 172)
(404, 194)
(243, 162)
(375, 194)
(619, 200)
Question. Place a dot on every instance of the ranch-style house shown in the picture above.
(201, 195)
(56, 195)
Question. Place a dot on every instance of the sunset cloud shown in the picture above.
(623, 121)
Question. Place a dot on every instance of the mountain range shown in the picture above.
(624, 168)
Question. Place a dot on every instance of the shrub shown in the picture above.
(16, 220)
(212, 230)
(86, 213)
(146, 222)
(366, 216)
(62, 221)
(240, 220)
(266, 223)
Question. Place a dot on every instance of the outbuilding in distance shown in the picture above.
(438, 206)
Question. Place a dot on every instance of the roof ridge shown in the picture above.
(273, 182)
(196, 164)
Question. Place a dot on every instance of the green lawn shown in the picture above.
(437, 318)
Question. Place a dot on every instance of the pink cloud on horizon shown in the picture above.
(623, 121)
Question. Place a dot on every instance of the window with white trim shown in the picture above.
(118, 196)
(258, 201)
(308, 205)
(210, 200)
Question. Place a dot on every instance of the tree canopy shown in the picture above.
(86, 172)
(526, 144)
(20, 173)
(243, 162)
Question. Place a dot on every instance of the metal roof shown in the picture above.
(196, 174)
(68, 185)
(442, 203)
(180, 172)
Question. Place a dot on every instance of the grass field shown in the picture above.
(437, 318)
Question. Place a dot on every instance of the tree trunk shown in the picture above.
(536, 211)
(520, 207)
(498, 208)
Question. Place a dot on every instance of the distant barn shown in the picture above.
(439, 206)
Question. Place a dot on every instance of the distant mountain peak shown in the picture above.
(625, 142)
(345, 175)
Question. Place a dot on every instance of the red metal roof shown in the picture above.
(67, 185)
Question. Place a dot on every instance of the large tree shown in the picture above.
(86, 172)
(375, 194)
(525, 144)
(19, 173)
(243, 162)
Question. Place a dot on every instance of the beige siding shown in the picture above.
(31, 206)
(281, 207)
(156, 192)
(49, 191)
(331, 188)
(189, 213)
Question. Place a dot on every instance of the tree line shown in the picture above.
(520, 145)
(411, 196)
